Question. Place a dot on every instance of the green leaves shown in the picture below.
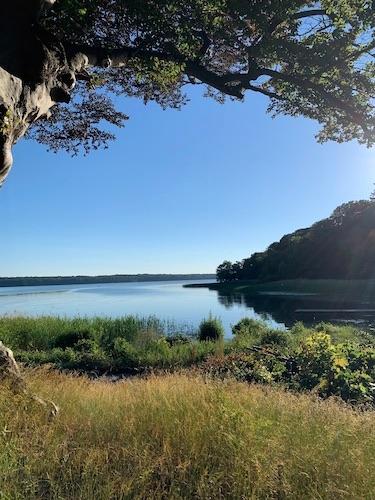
(345, 11)
(311, 59)
(74, 7)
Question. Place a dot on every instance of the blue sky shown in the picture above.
(179, 191)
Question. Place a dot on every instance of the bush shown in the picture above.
(346, 370)
(71, 338)
(244, 368)
(178, 339)
(274, 337)
(211, 330)
(250, 327)
(125, 354)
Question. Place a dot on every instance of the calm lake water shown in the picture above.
(170, 301)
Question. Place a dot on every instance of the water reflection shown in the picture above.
(309, 308)
(170, 301)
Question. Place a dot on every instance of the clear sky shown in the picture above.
(178, 192)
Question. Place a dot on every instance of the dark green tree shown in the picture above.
(309, 58)
(225, 272)
(341, 246)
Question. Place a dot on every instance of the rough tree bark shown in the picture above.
(35, 73)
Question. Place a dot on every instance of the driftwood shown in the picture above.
(11, 374)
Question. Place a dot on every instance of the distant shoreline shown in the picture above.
(89, 280)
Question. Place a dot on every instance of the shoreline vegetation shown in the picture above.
(326, 359)
(341, 246)
(93, 280)
(269, 413)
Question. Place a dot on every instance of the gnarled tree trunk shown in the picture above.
(35, 73)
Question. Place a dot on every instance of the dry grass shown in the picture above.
(182, 437)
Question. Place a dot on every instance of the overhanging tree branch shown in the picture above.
(309, 13)
(304, 14)
(231, 84)
(306, 84)
(273, 48)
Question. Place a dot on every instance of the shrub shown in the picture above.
(125, 354)
(210, 329)
(328, 359)
(126, 328)
(241, 367)
(345, 370)
(274, 337)
(178, 339)
(250, 327)
(314, 357)
(71, 338)
(85, 356)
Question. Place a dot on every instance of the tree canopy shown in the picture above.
(341, 247)
(311, 59)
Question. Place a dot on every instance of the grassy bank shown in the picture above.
(329, 360)
(333, 290)
(182, 437)
(124, 345)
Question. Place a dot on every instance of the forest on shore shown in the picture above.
(341, 246)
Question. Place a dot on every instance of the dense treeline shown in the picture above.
(86, 280)
(339, 247)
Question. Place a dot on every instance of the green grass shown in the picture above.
(42, 333)
(328, 359)
(199, 432)
(127, 344)
(178, 437)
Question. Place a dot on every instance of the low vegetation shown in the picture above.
(211, 329)
(124, 345)
(268, 413)
(328, 360)
(179, 436)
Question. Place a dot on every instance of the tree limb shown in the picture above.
(331, 99)
(309, 13)
(268, 93)
(232, 84)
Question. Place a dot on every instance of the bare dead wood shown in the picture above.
(11, 374)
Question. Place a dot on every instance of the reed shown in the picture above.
(181, 436)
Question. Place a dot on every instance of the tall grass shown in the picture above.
(182, 437)
(41, 333)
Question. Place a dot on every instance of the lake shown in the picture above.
(170, 301)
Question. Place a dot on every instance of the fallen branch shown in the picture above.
(10, 372)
